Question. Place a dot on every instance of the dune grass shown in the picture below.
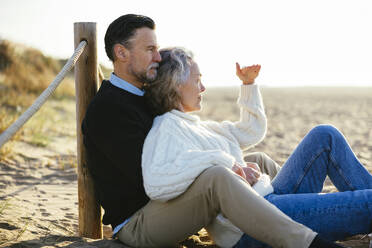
(24, 73)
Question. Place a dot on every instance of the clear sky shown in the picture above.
(297, 42)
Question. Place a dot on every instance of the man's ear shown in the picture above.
(121, 52)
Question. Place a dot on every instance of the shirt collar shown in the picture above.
(122, 84)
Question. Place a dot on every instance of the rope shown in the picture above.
(11, 130)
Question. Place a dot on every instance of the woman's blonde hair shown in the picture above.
(162, 94)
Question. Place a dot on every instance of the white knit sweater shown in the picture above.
(179, 147)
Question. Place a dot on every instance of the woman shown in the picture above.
(180, 147)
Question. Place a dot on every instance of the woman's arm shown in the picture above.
(251, 128)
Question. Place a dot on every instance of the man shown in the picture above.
(115, 126)
(118, 120)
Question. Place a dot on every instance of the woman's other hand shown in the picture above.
(238, 169)
(251, 175)
(247, 74)
(254, 166)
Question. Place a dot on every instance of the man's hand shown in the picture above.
(248, 74)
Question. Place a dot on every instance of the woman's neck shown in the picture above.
(180, 108)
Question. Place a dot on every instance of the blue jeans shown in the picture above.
(324, 151)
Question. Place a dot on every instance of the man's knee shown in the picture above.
(255, 157)
(266, 163)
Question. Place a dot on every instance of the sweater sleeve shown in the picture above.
(170, 163)
(251, 128)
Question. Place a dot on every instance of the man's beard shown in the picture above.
(146, 76)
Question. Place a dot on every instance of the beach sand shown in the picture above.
(38, 185)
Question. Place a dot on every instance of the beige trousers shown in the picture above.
(266, 164)
(216, 190)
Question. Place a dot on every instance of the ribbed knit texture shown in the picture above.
(179, 146)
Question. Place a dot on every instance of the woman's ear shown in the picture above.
(180, 107)
(121, 53)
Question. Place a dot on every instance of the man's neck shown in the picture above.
(128, 78)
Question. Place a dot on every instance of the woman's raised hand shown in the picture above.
(248, 73)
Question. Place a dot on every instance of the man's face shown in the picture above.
(144, 55)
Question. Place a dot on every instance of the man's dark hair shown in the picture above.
(122, 29)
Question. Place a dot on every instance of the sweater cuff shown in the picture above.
(249, 95)
(247, 90)
(263, 186)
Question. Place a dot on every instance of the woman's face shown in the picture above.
(191, 90)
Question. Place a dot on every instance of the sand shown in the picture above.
(38, 185)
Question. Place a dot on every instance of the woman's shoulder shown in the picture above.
(165, 118)
(165, 122)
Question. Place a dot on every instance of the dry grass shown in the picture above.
(24, 74)
(5, 121)
(291, 113)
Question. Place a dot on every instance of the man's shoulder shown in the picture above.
(111, 94)
(114, 107)
(111, 98)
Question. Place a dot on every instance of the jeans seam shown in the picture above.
(338, 169)
(307, 168)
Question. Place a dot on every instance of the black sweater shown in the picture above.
(114, 129)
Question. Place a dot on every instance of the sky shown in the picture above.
(297, 42)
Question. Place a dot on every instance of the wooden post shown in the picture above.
(86, 79)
